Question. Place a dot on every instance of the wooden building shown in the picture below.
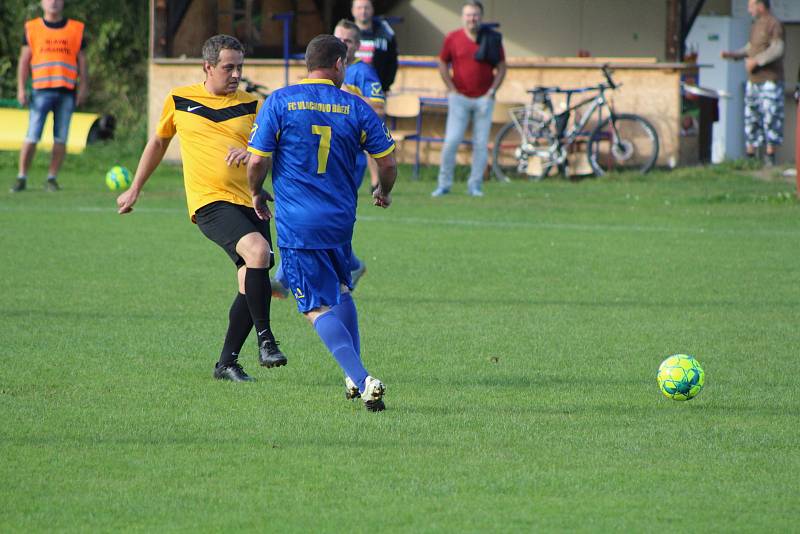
(642, 39)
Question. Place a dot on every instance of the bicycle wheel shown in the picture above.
(513, 158)
(624, 142)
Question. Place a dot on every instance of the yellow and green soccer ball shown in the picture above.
(680, 377)
(118, 178)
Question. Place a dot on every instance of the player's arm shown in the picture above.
(152, 155)
(257, 169)
(387, 174)
(378, 106)
(23, 72)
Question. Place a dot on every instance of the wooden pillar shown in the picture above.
(673, 45)
(158, 22)
(327, 15)
(225, 16)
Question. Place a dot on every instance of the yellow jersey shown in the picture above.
(207, 126)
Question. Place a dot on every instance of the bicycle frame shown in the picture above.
(532, 129)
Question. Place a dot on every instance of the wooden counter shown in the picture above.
(648, 88)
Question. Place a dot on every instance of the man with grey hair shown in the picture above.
(214, 120)
(477, 60)
(764, 94)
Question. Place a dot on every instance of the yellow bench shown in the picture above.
(15, 126)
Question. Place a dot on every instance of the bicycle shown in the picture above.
(254, 88)
(538, 140)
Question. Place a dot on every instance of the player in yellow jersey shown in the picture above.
(213, 120)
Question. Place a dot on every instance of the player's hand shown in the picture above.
(750, 64)
(22, 98)
(380, 199)
(126, 201)
(260, 205)
(237, 156)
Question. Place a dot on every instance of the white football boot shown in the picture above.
(373, 395)
(350, 389)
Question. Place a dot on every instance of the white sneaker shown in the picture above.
(475, 193)
(440, 191)
(373, 395)
(350, 389)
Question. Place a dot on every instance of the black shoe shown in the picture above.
(232, 372)
(51, 186)
(18, 186)
(269, 355)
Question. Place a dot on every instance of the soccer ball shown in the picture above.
(118, 178)
(680, 377)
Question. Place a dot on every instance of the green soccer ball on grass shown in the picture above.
(118, 178)
(680, 377)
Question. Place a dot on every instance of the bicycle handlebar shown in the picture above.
(607, 74)
(566, 91)
(611, 84)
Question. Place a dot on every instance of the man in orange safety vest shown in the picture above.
(52, 57)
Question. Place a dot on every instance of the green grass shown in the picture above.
(518, 334)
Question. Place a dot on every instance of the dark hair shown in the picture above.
(474, 3)
(350, 25)
(764, 3)
(217, 43)
(323, 51)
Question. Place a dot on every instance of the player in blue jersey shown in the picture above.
(309, 135)
(361, 80)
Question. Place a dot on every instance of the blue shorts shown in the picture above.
(315, 275)
(43, 101)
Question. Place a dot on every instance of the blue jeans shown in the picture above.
(43, 101)
(460, 110)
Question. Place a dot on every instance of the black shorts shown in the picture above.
(226, 223)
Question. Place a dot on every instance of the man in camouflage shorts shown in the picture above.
(763, 55)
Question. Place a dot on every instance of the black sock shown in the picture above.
(259, 296)
(239, 325)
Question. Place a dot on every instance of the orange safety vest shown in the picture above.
(54, 60)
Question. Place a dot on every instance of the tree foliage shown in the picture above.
(116, 51)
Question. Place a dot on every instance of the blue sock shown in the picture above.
(347, 314)
(280, 277)
(336, 337)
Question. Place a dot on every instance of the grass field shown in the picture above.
(518, 336)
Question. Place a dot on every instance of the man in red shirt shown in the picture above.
(471, 90)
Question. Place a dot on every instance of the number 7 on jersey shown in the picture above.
(324, 133)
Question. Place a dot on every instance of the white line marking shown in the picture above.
(421, 221)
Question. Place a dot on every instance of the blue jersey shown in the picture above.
(361, 79)
(313, 132)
